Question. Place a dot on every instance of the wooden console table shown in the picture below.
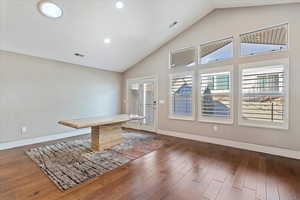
(106, 131)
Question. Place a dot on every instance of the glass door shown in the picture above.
(141, 100)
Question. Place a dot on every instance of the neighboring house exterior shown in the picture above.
(211, 107)
(182, 100)
(215, 95)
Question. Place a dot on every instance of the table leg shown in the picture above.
(104, 137)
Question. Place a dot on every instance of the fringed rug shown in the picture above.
(71, 163)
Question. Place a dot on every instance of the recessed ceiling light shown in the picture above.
(119, 4)
(107, 40)
(50, 9)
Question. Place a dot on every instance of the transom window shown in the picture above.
(267, 40)
(216, 50)
(184, 57)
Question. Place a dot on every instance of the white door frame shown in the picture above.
(155, 90)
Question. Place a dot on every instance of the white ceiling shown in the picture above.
(138, 29)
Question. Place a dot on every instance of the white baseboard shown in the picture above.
(240, 145)
(10, 145)
(131, 126)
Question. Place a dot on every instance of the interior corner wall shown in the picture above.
(220, 24)
(37, 93)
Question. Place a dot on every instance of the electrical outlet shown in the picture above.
(23, 130)
(216, 128)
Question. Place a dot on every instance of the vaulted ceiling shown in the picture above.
(135, 31)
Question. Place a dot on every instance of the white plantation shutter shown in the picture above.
(264, 98)
(215, 96)
(181, 95)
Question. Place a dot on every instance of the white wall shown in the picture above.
(218, 25)
(37, 93)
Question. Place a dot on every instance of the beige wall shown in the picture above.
(37, 93)
(217, 25)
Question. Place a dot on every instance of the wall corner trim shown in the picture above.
(19, 143)
(240, 145)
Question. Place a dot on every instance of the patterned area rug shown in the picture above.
(71, 163)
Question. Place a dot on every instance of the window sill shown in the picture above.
(186, 118)
(227, 122)
(267, 126)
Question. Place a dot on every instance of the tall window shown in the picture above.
(267, 40)
(264, 94)
(215, 96)
(181, 96)
(216, 50)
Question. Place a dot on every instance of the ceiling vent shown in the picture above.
(78, 55)
(173, 24)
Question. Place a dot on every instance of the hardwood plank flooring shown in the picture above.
(185, 170)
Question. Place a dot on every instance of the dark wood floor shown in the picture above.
(185, 170)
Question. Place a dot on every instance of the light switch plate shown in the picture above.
(23, 130)
(216, 128)
(161, 101)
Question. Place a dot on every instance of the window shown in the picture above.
(181, 96)
(215, 96)
(266, 40)
(264, 94)
(217, 50)
(184, 57)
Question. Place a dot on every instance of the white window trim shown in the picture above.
(273, 125)
(216, 119)
(182, 117)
